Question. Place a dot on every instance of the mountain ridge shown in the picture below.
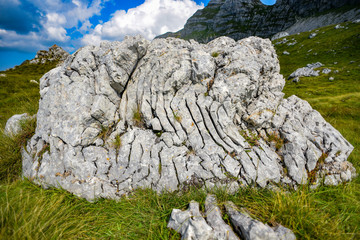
(244, 18)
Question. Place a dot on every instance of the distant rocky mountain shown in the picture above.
(242, 18)
(54, 56)
(55, 53)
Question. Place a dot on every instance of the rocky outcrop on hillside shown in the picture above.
(244, 18)
(55, 53)
(171, 113)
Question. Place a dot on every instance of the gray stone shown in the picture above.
(214, 219)
(283, 41)
(307, 71)
(338, 26)
(284, 233)
(286, 53)
(170, 114)
(326, 71)
(13, 124)
(190, 223)
(331, 78)
(312, 35)
(2, 75)
(292, 43)
(247, 227)
(279, 35)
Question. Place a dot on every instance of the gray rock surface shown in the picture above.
(307, 71)
(312, 35)
(191, 224)
(214, 219)
(171, 113)
(326, 71)
(55, 53)
(304, 24)
(284, 233)
(279, 35)
(244, 18)
(252, 229)
(13, 124)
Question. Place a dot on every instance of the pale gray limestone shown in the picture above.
(192, 225)
(170, 114)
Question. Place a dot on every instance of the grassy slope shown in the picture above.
(17, 93)
(29, 212)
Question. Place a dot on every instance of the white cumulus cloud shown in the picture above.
(152, 18)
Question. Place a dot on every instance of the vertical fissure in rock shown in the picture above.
(131, 74)
(196, 123)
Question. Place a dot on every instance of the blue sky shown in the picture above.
(27, 26)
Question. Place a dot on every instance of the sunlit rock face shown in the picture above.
(243, 18)
(172, 113)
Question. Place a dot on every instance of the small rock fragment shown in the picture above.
(213, 217)
(339, 26)
(326, 71)
(34, 81)
(190, 224)
(331, 78)
(312, 35)
(279, 35)
(286, 53)
(247, 227)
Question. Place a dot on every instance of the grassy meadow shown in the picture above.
(30, 212)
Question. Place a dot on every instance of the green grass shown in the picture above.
(17, 93)
(29, 212)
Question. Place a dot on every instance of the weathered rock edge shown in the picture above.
(191, 224)
(174, 113)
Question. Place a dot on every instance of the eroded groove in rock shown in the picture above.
(174, 113)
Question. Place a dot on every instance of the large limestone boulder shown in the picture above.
(171, 113)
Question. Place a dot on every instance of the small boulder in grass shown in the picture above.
(326, 71)
(331, 79)
(312, 35)
(286, 53)
(13, 124)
